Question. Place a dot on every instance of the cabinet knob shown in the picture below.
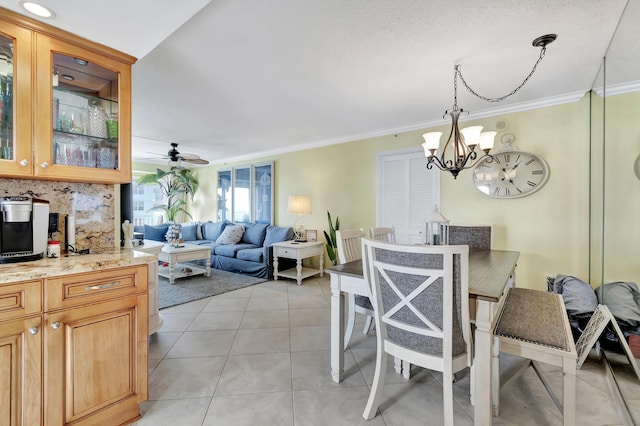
(24, 163)
(55, 325)
(44, 165)
(33, 330)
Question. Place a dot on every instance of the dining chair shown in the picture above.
(387, 234)
(474, 236)
(350, 249)
(420, 299)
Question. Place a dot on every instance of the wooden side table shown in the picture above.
(297, 251)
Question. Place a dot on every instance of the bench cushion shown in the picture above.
(535, 317)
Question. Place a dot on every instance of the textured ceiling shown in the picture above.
(247, 77)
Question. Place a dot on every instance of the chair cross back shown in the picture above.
(431, 276)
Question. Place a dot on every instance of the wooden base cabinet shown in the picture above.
(93, 355)
(21, 353)
(20, 371)
(74, 348)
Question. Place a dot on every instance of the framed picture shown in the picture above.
(312, 235)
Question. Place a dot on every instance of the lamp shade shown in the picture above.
(299, 204)
(431, 142)
(471, 135)
(486, 140)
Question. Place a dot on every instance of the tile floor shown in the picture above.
(260, 356)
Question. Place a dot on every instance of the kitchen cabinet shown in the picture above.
(20, 353)
(95, 346)
(17, 111)
(72, 105)
(84, 336)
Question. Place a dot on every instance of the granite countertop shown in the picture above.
(64, 265)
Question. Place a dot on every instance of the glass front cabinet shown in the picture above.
(16, 111)
(77, 104)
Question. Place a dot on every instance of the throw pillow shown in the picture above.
(189, 231)
(232, 234)
(276, 234)
(254, 233)
(212, 230)
(199, 235)
(156, 233)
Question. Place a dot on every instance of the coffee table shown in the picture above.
(183, 253)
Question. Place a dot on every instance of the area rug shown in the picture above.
(188, 289)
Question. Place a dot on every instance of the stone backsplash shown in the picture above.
(92, 204)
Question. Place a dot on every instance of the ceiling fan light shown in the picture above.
(37, 9)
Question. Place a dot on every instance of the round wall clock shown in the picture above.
(511, 174)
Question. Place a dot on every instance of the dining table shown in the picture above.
(490, 273)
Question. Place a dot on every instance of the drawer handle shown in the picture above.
(103, 286)
(33, 330)
(55, 325)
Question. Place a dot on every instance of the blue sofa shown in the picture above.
(251, 255)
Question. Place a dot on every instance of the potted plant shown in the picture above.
(175, 184)
(332, 243)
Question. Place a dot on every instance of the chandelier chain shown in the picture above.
(458, 72)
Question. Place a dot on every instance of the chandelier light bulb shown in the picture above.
(486, 140)
(431, 142)
(471, 135)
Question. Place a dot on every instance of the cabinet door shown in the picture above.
(95, 362)
(83, 114)
(21, 372)
(15, 101)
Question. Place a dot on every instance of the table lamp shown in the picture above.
(299, 204)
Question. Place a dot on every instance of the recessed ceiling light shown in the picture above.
(37, 9)
(68, 77)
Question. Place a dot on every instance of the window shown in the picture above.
(144, 197)
(245, 194)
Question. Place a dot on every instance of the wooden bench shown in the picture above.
(534, 325)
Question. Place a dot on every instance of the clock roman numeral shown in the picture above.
(530, 161)
(496, 191)
(536, 172)
(531, 183)
(518, 158)
(496, 160)
(518, 190)
(507, 192)
(507, 157)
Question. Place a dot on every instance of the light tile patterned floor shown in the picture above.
(260, 356)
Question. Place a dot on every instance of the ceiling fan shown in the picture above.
(175, 157)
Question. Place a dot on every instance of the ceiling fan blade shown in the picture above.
(196, 161)
(188, 156)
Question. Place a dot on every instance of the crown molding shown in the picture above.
(618, 89)
(491, 112)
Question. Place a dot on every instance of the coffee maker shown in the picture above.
(24, 223)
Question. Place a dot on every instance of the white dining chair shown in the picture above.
(381, 233)
(350, 249)
(420, 299)
(474, 236)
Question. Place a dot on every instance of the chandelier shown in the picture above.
(459, 152)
